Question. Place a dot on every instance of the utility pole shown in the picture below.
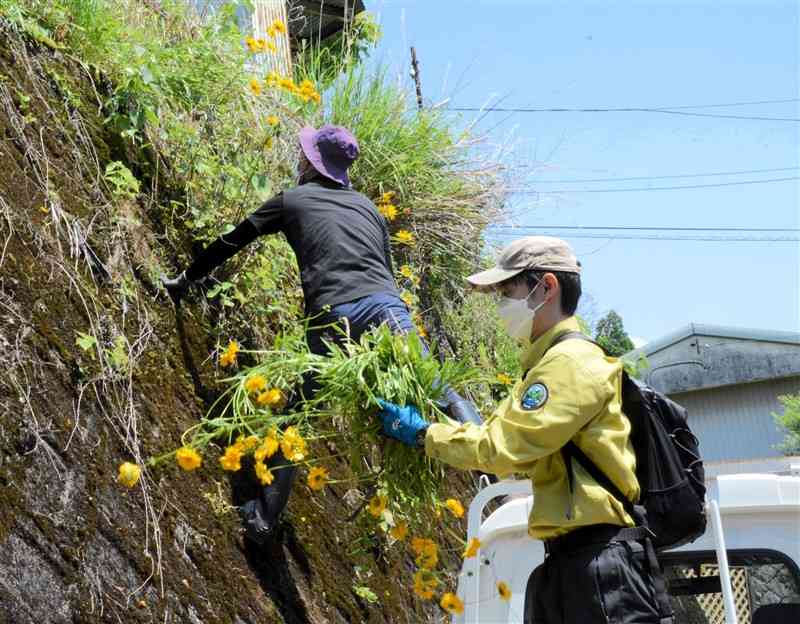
(415, 74)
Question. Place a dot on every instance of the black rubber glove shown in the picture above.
(177, 287)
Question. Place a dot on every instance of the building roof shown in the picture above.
(319, 19)
(717, 331)
(699, 357)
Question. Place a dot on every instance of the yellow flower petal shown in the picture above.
(231, 460)
(377, 504)
(317, 478)
(129, 474)
(472, 548)
(399, 531)
(452, 604)
(455, 507)
(188, 459)
(504, 590)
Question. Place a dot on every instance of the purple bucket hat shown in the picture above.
(331, 150)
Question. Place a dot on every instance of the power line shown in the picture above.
(662, 111)
(720, 239)
(667, 177)
(641, 228)
(658, 188)
(666, 110)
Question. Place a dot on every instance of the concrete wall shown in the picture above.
(735, 422)
(700, 361)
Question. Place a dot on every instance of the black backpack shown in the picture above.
(668, 464)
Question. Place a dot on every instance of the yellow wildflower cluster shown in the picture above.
(256, 387)
(306, 90)
(129, 474)
(228, 357)
(257, 45)
(386, 207)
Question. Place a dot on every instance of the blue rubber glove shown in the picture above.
(402, 423)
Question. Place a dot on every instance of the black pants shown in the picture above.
(607, 583)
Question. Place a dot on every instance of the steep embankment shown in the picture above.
(94, 373)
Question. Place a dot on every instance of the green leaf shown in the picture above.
(87, 342)
(366, 593)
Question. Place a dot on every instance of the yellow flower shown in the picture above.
(407, 298)
(406, 271)
(273, 120)
(421, 331)
(255, 86)
(261, 44)
(272, 398)
(504, 590)
(229, 356)
(129, 474)
(424, 584)
(188, 458)
(376, 506)
(279, 26)
(389, 211)
(272, 79)
(427, 552)
(404, 237)
(271, 31)
(455, 507)
(268, 447)
(387, 197)
(231, 460)
(270, 45)
(317, 478)
(255, 383)
(504, 379)
(248, 443)
(472, 548)
(399, 531)
(452, 604)
(293, 446)
(264, 474)
(252, 44)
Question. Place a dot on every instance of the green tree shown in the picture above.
(790, 422)
(610, 334)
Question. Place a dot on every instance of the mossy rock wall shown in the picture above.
(75, 546)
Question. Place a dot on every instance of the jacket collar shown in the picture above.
(531, 356)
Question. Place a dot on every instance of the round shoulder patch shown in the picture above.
(535, 396)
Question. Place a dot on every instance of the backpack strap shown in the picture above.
(571, 451)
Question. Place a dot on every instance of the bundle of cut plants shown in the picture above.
(252, 416)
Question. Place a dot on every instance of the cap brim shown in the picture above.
(492, 276)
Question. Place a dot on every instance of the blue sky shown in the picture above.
(550, 53)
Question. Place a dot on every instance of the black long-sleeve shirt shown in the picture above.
(338, 236)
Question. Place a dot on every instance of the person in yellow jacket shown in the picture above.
(596, 569)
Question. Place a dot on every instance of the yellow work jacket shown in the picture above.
(569, 392)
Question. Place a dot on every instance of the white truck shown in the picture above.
(745, 569)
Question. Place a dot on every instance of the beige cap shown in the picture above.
(541, 253)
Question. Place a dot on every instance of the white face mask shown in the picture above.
(517, 317)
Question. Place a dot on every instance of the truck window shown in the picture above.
(766, 586)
